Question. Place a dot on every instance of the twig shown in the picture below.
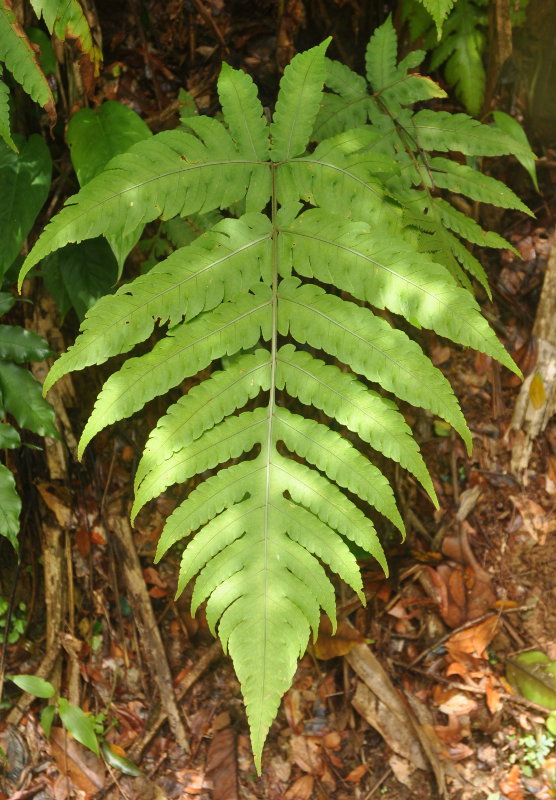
(378, 783)
(469, 624)
(214, 652)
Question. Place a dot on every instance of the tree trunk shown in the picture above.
(531, 414)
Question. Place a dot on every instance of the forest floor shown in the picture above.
(410, 698)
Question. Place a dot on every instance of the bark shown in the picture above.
(531, 418)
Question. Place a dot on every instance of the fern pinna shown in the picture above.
(348, 215)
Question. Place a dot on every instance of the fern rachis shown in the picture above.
(261, 527)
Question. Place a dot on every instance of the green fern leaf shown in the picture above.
(462, 179)
(345, 106)
(380, 56)
(284, 494)
(172, 173)
(219, 264)
(461, 48)
(369, 345)
(5, 129)
(298, 103)
(224, 331)
(375, 419)
(66, 19)
(202, 408)
(440, 130)
(19, 57)
(439, 10)
(244, 113)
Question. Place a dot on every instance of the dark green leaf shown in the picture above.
(25, 181)
(19, 344)
(10, 507)
(9, 437)
(23, 400)
(6, 302)
(79, 274)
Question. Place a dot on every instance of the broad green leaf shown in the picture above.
(33, 685)
(46, 56)
(80, 725)
(19, 57)
(9, 437)
(6, 302)
(22, 398)
(18, 344)
(117, 761)
(47, 716)
(94, 137)
(25, 181)
(10, 507)
(80, 274)
(533, 675)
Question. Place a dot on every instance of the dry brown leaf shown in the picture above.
(301, 789)
(294, 712)
(83, 768)
(59, 501)
(493, 696)
(472, 641)
(511, 785)
(330, 646)
(356, 774)
(221, 766)
(535, 521)
(307, 754)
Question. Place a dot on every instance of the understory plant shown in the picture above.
(338, 208)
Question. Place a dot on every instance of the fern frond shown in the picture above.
(185, 350)
(227, 260)
(284, 493)
(462, 47)
(298, 103)
(392, 276)
(19, 57)
(345, 106)
(243, 112)
(171, 174)
(462, 179)
(440, 130)
(66, 19)
(5, 129)
(375, 419)
(439, 10)
(381, 56)
(203, 407)
(369, 345)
